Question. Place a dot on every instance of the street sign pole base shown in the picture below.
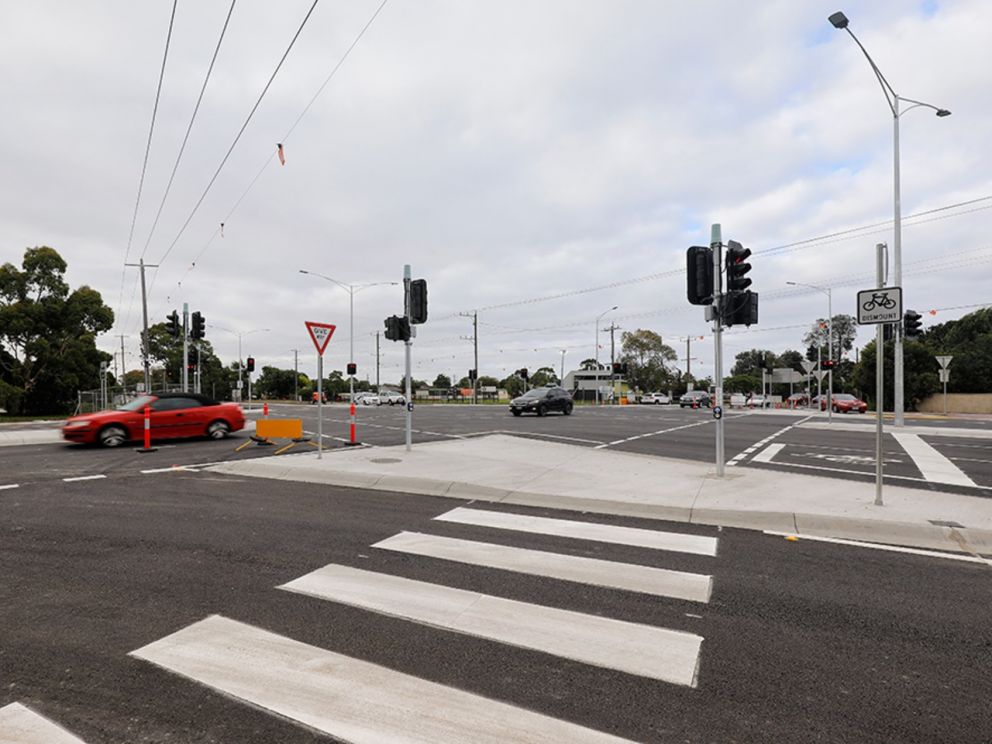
(146, 449)
(353, 444)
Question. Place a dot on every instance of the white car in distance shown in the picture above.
(658, 399)
(392, 398)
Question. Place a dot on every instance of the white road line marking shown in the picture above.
(21, 725)
(869, 473)
(655, 433)
(84, 478)
(608, 533)
(768, 453)
(934, 466)
(346, 698)
(10, 485)
(878, 546)
(549, 436)
(170, 469)
(657, 653)
(629, 577)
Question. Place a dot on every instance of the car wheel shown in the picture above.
(836, 409)
(218, 430)
(568, 409)
(541, 410)
(112, 436)
(515, 413)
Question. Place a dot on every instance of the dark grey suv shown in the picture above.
(542, 400)
(695, 397)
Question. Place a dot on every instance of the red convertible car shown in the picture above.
(842, 403)
(173, 415)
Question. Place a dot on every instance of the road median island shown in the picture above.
(513, 470)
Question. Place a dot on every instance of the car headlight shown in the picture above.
(77, 424)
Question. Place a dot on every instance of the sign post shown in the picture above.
(320, 334)
(877, 307)
(945, 373)
(808, 368)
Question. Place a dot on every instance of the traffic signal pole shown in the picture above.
(185, 375)
(879, 378)
(716, 243)
(407, 347)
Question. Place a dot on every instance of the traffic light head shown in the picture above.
(739, 308)
(173, 319)
(473, 375)
(736, 266)
(418, 301)
(616, 368)
(912, 324)
(352, 369)
(523, 374)
(397, 328)
(198, 325)
(250, 364)
(828, 364)
(699, 274)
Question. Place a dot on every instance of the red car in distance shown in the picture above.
(842, 403)
(173, 416)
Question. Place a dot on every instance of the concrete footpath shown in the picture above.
(515, 470)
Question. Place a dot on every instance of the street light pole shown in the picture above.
(598, 317)
(840, 21)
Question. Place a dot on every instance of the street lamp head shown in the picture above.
(943, 112)
(839, 20)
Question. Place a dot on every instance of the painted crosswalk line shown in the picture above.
(347, 698)
(658, 581)
(935, 466)
(21, 725)
(658, 653)
(608, 533)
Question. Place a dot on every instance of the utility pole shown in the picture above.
(562, 378)
(144, 334)
(123, 365)
(407, 344)
(475, 346)
(296, 374)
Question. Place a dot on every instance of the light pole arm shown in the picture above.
(887, 90)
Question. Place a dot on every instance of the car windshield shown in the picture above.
(137, 404)
(843, 396)
(535, 393)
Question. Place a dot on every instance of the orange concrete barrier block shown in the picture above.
(279, 428)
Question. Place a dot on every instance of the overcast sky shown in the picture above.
(509, 151)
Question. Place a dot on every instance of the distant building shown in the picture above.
(581, 383)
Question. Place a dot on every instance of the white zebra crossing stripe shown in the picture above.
(658, 581)
(21, 725)
(658, 653)
(934, 466)
(608, 533)
(349, 699)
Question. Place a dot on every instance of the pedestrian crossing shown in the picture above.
(357, 701)
(21, 725)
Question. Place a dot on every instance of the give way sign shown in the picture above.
(321, 334)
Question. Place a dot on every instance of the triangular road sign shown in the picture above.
(320, 333)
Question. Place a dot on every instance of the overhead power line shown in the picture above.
(189, 128)
(285, 138)
(241, 131)
(148, 147)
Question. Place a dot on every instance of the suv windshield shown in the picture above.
(535, 393)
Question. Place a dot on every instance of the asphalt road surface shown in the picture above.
(752, 439)
(800, 641)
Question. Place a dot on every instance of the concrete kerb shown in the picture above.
(751, 499)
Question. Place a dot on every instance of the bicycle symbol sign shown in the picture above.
(882, 305)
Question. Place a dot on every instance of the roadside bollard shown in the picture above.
(351, 442)
(148, 432)
(265, 409)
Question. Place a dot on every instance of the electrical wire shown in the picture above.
(148, 147)
(189, 128)
(285, 138)
(241, 131)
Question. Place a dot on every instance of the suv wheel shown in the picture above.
(541, 410)
(568, 408)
